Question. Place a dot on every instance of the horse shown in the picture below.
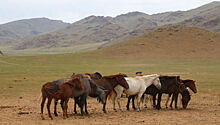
(80, 96)
(109, 83)
(151, 90)
(188, 83)
(170, 85)
(137, 86)
(63, 91)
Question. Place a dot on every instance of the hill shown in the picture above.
(28, 27)
(106, 31)
(167, 42)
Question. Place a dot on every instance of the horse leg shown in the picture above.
(133, 105)
(76, 100)
(151, 99)
(139, 101)
(159, 101)
(55, 107)
(128, 103)
(118, 100)
(48, 107)
(176, 99)
(103, 109)
(114, 96)
(168, 97)
(82, 103)
(154, 100)
(171, 103)
(86, 107)
(145, 100)
(61, 103)
(65, 108)
(42, 107)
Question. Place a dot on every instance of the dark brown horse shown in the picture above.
(63, 91)
(170, 85)
(188, 83)
(110, 82)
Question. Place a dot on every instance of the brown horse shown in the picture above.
(109, 83)
(188, 83)
(63, 91)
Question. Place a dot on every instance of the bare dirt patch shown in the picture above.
(203, 109)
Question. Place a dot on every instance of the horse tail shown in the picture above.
(39, 97)
(110, 95)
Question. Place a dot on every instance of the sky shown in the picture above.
(74, 10)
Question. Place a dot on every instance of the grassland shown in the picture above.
(22, 77)
(27, 73)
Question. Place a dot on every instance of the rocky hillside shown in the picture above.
(28, 27)
(112, 30)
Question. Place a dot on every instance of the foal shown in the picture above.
(63, 91)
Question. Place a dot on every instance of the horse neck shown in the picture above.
(149, 81)
(112, 82)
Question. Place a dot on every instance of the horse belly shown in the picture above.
(133, 90)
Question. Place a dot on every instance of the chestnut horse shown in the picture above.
(109, 83)
(188, 83)
(63, 91)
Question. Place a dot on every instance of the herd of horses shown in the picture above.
(80, 86)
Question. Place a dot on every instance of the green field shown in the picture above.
(21, 75)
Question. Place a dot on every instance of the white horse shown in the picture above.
(137, 86)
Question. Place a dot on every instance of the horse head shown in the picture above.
(191, 84)
(186, 97)
(121, 81)
(157, 83)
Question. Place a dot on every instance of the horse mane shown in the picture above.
(112, 76)
(188, 80)
(170, 77)
(97, 73)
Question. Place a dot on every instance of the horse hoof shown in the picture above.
(166, 107)
(122, 110)
(43, 118)
(56, 115)
(51, 118)
(75, 112)
(158, 108)
(115, 110)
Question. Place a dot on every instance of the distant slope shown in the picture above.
(27, 27)
(168, 42)
(109, 30)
